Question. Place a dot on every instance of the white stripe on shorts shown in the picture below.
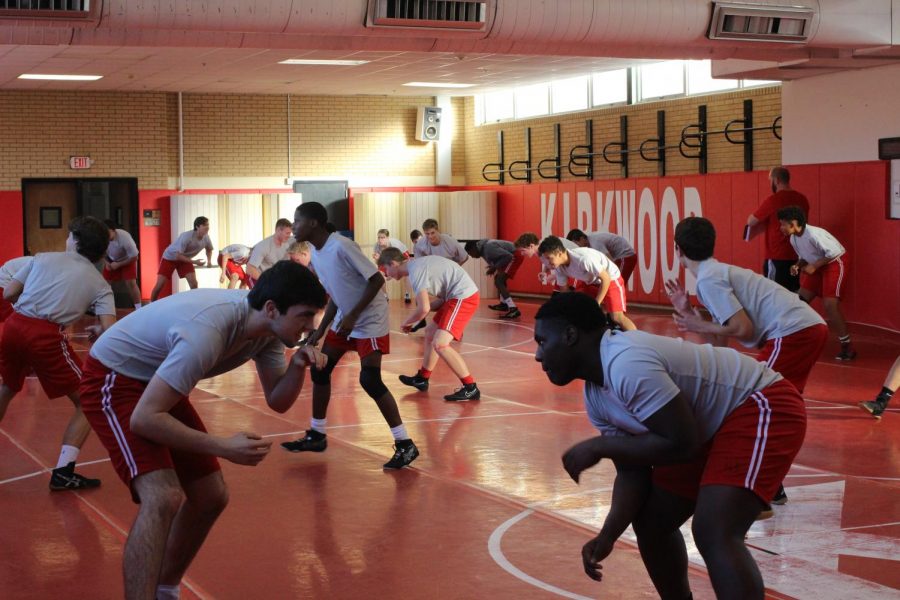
(762, 434)
(105, 403)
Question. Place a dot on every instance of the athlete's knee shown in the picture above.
(322, 376)
(370, 380)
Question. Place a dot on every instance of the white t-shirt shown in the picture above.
(642, 372)
(586, 264)
(121, 248)
(774, 311)
(391, 243)
(344, 272)
(187, 244)
(61, 286)
(11, 267)
(440, 277)
(610, 244)
(266, 253)
(184, 338)
(448, 248)
(239, 253)
(561, 279)
(815, 244)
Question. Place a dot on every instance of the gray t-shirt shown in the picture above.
(391, 243)
(496, 253)
(266, 253)
(121, 248)
(239, 253)
(187, 244)
(610, 244)
(440, 277)
(448, 248)
(61, 286)
(11, 267)
(815, 243)
(184, 338)
(775, 312)
(344, 272)
(643, 372)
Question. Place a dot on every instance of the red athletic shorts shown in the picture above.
(6, 308)
(828, 280)
(794, 355)
(167, 267)
(232, 268)
(127, 272)
(362, 346)
(40, 345)
(753, 449)
(626, 266)
(108, 399)
(455, 314)
(614, 301)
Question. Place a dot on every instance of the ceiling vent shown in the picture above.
(431, 14)
(760, 23)
(45, 9)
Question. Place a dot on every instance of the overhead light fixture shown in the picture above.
(322, 61)
(60, 77)
(431, 84)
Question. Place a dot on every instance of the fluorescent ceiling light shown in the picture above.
(438, 85)
(321, 61)
(61, 77)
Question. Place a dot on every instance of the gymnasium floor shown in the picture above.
(485, 512)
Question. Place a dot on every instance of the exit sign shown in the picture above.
(80, 162)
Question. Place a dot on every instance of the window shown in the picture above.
(700, 80)
(498, 106)
(610, 87)
(661, 79)
(532, 100)
(569, 94)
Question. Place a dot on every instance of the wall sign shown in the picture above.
(151, 218)
(80, 162)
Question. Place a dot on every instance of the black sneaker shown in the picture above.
(416, 381)
(875, 407)
(780, 498)
(502, 307)
(65, 478)
(403, 455)
(420, 325)
(514, 313)
(313, 441)
(847, 353)
(467, 392)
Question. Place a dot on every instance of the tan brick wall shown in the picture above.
(481, 142)
(126, 134)
(460, 125)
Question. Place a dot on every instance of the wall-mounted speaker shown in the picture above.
(428, 124)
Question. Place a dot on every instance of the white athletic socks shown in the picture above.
(317, 425)
(399, 432)
(509, 302)
(66, 455)
(168, 592)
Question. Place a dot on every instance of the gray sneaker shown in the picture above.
(875, 407)
(403, 455)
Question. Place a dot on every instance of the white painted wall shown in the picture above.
(840, 117)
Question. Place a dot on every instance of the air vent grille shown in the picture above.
(760, 23)
(460, 14)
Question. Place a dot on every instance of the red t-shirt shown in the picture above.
(778, 245)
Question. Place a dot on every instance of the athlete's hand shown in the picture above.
(199, 262)
(593, 552)
(688, 321)
(678, 296)
(809, 269)
(94, 332)
(221, 279)
(579, 457)
(310, 356)
(795, 270)
(542, 277)
(347, 323)
(490, 271)
(245, 449)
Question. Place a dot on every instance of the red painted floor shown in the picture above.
(487, 510)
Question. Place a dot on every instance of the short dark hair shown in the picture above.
(472, 248)
(282, 223)
(314, 211)
(792, 213)
(415, 234)
(110, 223)
(200, 222)
(287, 284)
(91, 237)
(575, 235)
(576, 309)
(385, 232)
(781, 174)
(551, 244)
(696, 237)
(430, 224)
(526, 239)
(389, 255)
